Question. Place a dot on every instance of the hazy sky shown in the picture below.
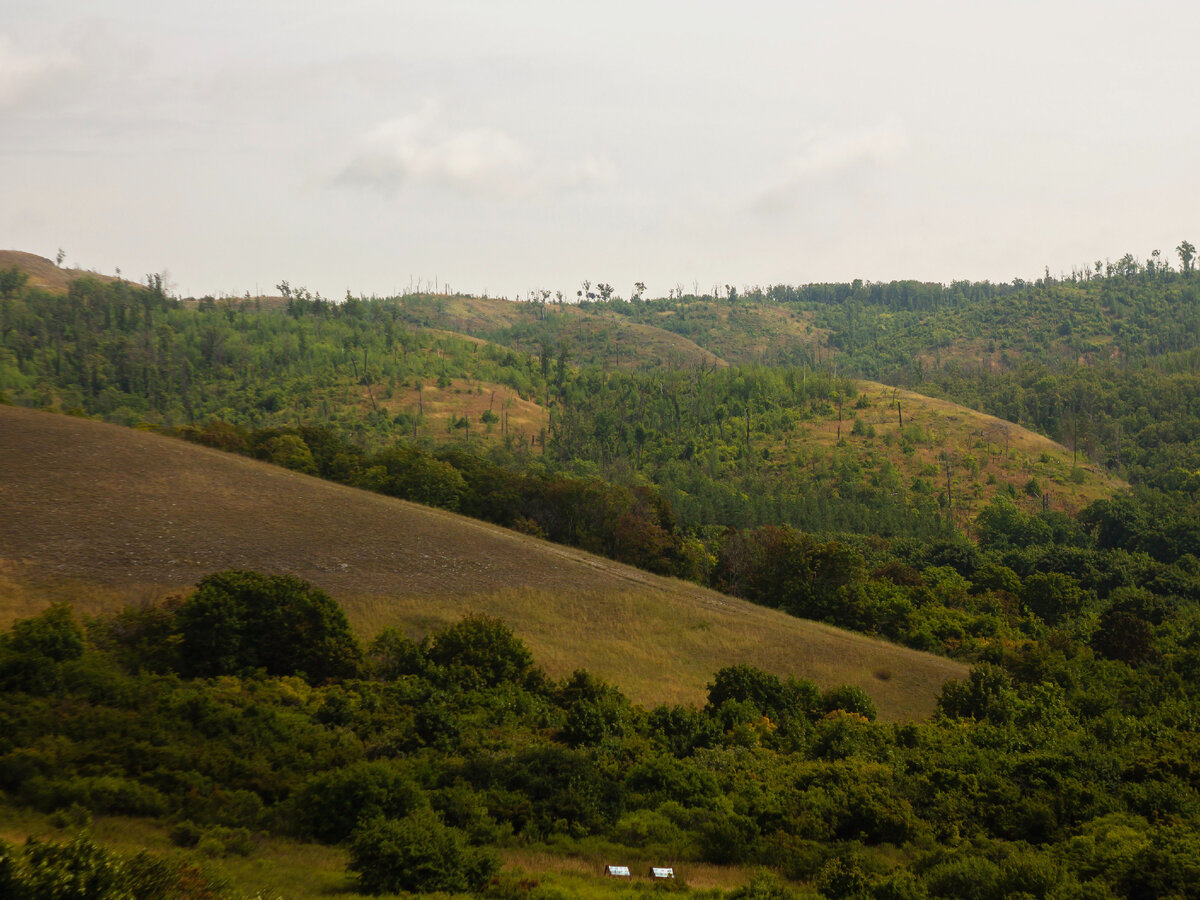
(505, 146)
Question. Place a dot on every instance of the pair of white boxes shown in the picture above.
(623, 872)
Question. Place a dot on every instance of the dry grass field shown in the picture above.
(100, 515)
(598, 339)
(440, 407)
(43, 273)
(986, 454)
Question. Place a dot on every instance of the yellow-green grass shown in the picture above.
(439, 408)
(297, 870)
(985, 454)
(594, 337)
(97, 514)
(277, 867)
(751, 332)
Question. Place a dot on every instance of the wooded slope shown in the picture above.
(97, 513)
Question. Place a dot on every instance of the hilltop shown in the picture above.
(44, 273)
(94, 513)
(587, 336)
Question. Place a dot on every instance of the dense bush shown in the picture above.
(238, 621)
(1048, 770)
(417, 853)
(331, 806)
(482, 651)
(53, 635)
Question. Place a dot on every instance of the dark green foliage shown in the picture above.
(783, 701)
(238, 621)
(53, 635)
(482, 651)
(728, 838)
(1122, 634)
(682, 729)
(763, 885)
(900, 885)
(142, 638)
(589, 722)
(331, 806)
(986, 694)
(81, 870)
(408, 473)
(1052, 596)
(849, 698)
(12, 280)
(965, 878)
(417, 853)
(33, 654)
(10, 877)
(391, 655)
(1049, 772)
(842, 879)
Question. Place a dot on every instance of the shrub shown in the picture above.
(331, 806)
(78, 870)
(645, 827)
(1052, 596)
(481, 651)
(417, 853)
(728, 838)
(142, 638)
(849, 698)
(392, 655)
(987, 693)
(965, 878)
(81, 870)
(763, 885)
(53, 635)
(239, 621)
(842, 879)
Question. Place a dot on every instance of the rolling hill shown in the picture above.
(593, 337)
(99, 515)
(43, 273)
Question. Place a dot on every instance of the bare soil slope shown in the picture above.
(98, 514)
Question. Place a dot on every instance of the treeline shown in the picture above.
(715, 442)
(1028, 572)
(132, 354)
(718, 443)
(1049, 772)
(629, 523)
(1142, 421)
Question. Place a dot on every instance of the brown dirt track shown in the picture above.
(100, 515)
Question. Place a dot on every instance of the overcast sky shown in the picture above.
(504, 146)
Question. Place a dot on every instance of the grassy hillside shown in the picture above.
(986, 455)
(90, 512)
(297, 870)
(43, 273)
(591, 336)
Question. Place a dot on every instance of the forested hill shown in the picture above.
(548, 387)
(1064, 765)
(89, 510)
